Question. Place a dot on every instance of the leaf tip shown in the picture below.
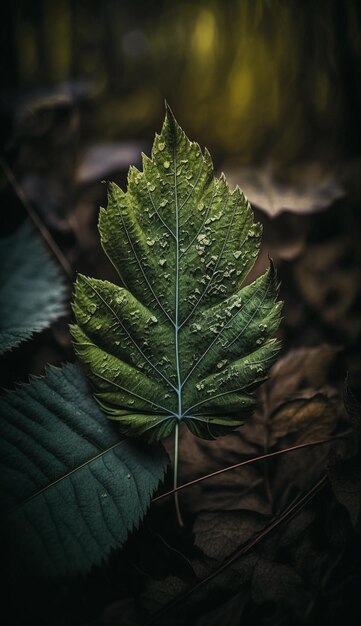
(170, 127)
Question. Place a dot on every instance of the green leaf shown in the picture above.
(31, 289)
(71, 489)
(182, 340)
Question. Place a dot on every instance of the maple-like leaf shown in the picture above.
(182, 340)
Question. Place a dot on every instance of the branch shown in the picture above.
(262, 457)
(52, 245)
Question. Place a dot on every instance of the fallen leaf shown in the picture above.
(304, 189)
(103, 160)
(309, 419)
(272, 581)
(300, 373)
(218, 534)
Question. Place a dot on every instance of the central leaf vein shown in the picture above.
(176, 322)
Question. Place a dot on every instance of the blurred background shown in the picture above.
(253, 79)
(271, 87)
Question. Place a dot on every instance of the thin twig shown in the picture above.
(44, 232)
(262, 457)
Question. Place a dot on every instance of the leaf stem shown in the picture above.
(175, 470)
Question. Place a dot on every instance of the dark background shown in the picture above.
(273, 89)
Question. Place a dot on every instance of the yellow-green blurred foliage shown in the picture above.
(253, 79)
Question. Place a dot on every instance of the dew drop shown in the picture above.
(161, 146)
(166, 164)
(204, 240)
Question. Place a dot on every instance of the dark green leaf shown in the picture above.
(183, 340)
(31, 289)
(71, 489)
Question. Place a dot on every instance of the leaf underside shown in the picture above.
(71, 489)
(182, 340)
(31, 289)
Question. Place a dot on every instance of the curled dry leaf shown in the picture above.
(305, 189)
(104, 160)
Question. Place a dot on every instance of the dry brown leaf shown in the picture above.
(300, 373)
(305, 189)
(274, 581)
(307, 419)
(103, 160)
(218, 537)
